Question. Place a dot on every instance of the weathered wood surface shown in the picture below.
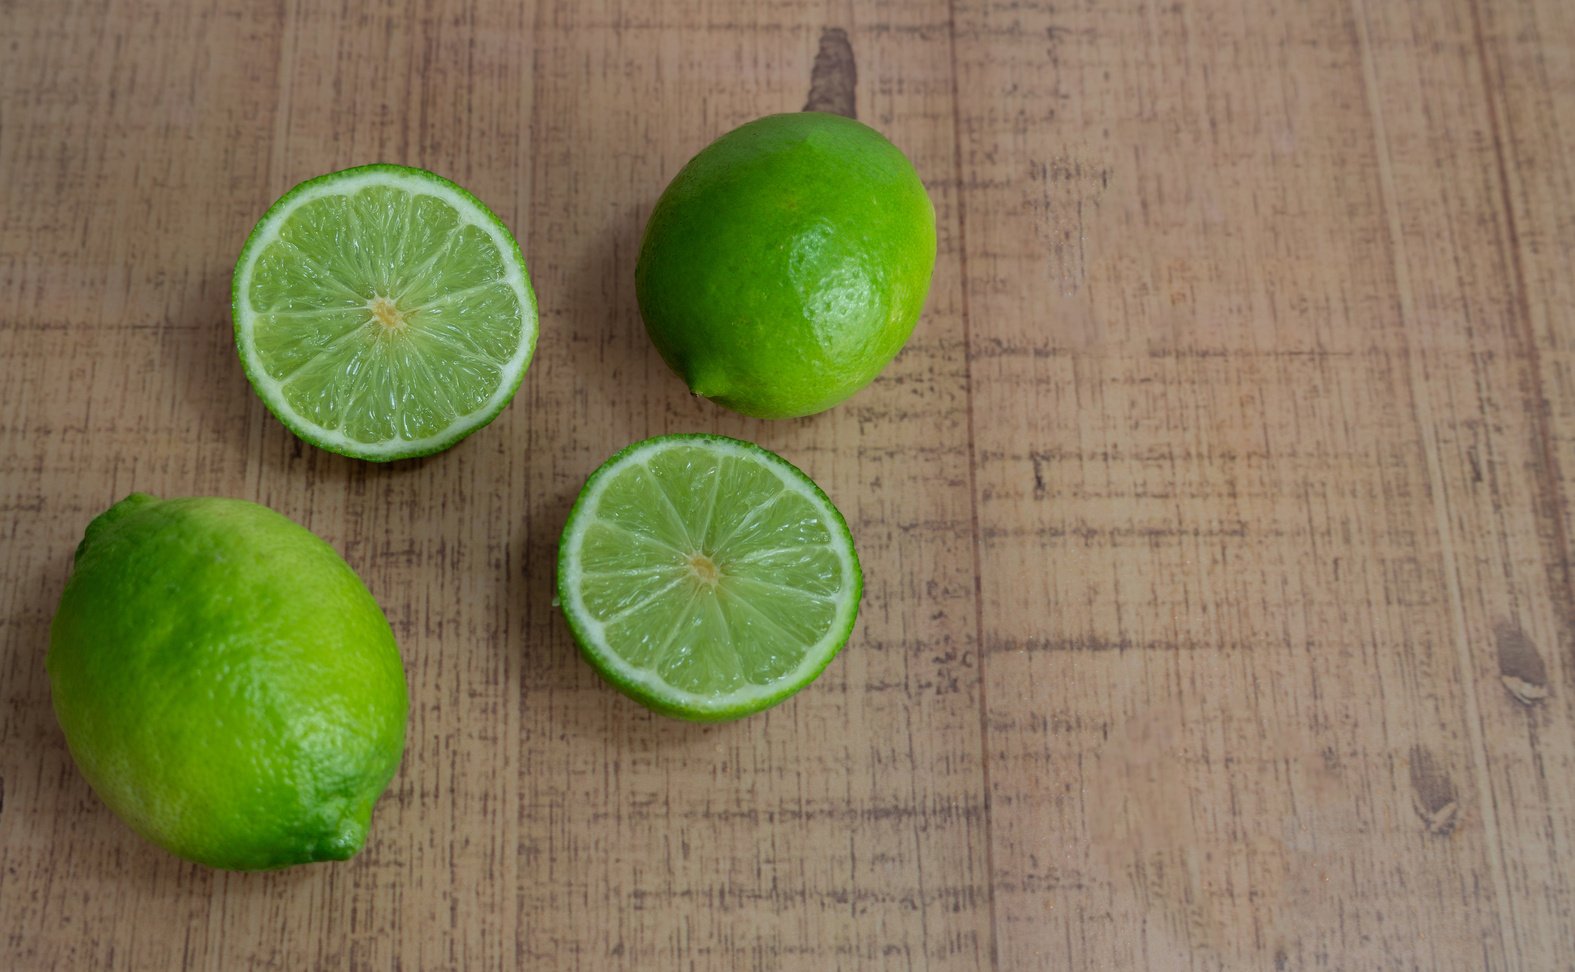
(1216, 521)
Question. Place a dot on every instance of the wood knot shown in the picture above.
(833, 80)
(1520, 664)
(1433, 793)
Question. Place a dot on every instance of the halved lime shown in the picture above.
(383, 312)
(706, 577)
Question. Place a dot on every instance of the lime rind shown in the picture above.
(374, 263)
(787, 263)
(647, 617)
(226, 682)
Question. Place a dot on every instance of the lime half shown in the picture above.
(383, 312)
(705, 577)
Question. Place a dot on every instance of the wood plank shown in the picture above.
(119, 374)
(1528, 63)
(1269, 653)
(1500, 509)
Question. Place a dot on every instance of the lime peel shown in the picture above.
(226, 683)
(787, 263)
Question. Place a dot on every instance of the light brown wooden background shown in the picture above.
(1216, 520)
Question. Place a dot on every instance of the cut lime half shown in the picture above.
(383, 312)
(706, 577)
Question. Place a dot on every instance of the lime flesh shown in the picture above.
(383, 312)
(226, 683)
(707, 577)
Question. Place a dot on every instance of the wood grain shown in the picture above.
(1215, 521)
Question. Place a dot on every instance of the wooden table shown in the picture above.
(1216, 519)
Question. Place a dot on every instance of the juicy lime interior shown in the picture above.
(384, 308)
(713, 573)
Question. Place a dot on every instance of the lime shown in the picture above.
(706, 577)
(226, 683)
(383, 312)
(787, 263)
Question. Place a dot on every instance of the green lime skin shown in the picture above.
(787, 264)
(226, 683)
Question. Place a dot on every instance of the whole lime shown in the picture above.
(226, 683)
(787, 263)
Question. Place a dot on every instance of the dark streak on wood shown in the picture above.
(966, 319)
(1435, 799)
(1092, 644)
(1062, 192)
(834, 79)
(1520, 664)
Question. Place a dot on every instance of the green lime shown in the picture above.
(787, 263)
(706, 577)
(383, 312)
(226, 683)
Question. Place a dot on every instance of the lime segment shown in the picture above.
(383, 312)
(707, 577)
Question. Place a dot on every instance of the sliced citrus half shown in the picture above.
(383, 312)
(706, 577)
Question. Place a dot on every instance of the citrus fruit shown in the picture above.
(707, 577)
(226, 683)
(383, 312)
(787, 263)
